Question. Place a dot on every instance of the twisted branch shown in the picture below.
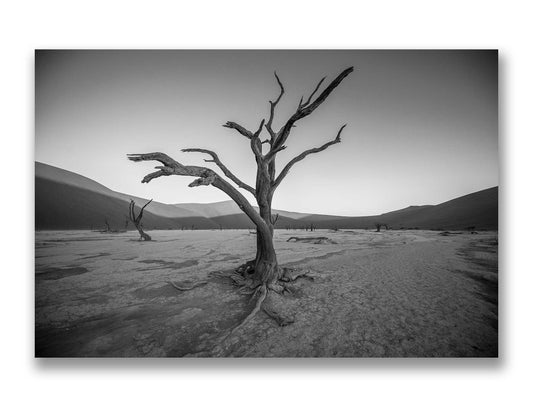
(206, 177)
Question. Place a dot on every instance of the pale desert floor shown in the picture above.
(390, 294)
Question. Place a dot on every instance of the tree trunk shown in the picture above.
(267, 270)
(266, 262)
(143, 234)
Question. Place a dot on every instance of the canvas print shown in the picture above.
(266, 203)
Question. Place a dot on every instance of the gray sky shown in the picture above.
(422, 125)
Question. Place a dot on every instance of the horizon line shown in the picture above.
(254, 204)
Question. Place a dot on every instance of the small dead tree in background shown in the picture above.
(262, 274)
(380, 225)
(137, 219)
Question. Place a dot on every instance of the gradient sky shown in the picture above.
(422, 125)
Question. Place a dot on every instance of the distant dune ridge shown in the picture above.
(66, 200)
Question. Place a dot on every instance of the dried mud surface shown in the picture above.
(391, 294)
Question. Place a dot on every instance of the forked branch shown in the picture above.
(137, 219)
(303, 110)
(312, 94)
(133, 218)
(142, 210)
(206, 177)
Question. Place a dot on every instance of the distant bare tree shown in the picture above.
(263, 274)
(137, 219)
(380, 225)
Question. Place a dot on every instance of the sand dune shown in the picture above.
(65, 200)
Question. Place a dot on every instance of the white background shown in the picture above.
(27, 25)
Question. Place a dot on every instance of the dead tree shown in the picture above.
(137, 220)
(379, 225)
(263, 272)
(315, 240)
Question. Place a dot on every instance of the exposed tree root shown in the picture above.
(241, 277)
(269, 298)
(263, 291)
(276, 310)
(270, 295)
(181, 288)
(290, 274)
(246, 268)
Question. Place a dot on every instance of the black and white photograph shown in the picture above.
(266, 203)
(288, 203)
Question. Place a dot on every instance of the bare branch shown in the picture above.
(274, 150)
(206, 177)
(161, 173)
(253, 137)
(232, 125)
(273, 104)
(305, 110)
(258, 132)
(325, 93)
(132, 210)
(170, 167)
(312, 94)
(282, 89)
(142, 210)
(224, 169)
(300, 157)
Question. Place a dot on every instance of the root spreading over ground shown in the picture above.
(269, 297)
